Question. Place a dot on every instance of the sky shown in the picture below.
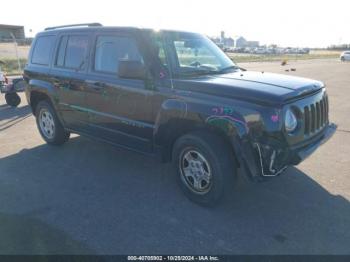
(296, 23)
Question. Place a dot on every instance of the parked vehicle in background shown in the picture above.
(3, 78)
(345, 56)
(260, 51)
(263, 50)
(238, 49)
(11, 98)
(14, 86)
(303, 51)
(177, 96)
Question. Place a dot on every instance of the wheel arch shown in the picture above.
(40, 90)
(36, 97)
(178, 127)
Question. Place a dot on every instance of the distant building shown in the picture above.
(225, 41)
(230, 42)
(239, 42)
(222, 35)
(253, 43)
(242, 42)
(16, 30)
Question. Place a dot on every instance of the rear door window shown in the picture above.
(111, 49)
(62, 51)
(42, 50)
(72, 52)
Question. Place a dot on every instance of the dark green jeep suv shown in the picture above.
(177, 96)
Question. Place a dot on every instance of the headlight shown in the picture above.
(290, 121)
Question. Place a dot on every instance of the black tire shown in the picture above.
(221, 165)
(58, 136)
(12, 99)
(342, 59)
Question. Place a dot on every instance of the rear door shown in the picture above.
(120, 110)
(69, 71)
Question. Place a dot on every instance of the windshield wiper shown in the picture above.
(198, 72)
(230, 67)
(212, 72)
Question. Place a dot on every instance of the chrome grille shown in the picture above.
(316, 116)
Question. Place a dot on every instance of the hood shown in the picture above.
(252, 86)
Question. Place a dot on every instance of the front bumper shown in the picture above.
(301, 153)
(263, 160)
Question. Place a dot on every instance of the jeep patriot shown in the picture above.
(174, 95)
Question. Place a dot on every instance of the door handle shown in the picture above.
(95, 84)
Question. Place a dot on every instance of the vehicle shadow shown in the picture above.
(119, 202)
(10, 116)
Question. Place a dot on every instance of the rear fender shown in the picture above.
(36, 86)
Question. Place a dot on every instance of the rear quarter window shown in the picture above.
(42, 50)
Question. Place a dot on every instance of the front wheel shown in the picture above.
(49, 125)
(205, 167)
(342, 59)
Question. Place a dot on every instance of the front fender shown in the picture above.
(240, 125)
(170, 110)
(178, 117)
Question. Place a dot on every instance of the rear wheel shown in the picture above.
(12, 99)
(49, 125)
(205, 167)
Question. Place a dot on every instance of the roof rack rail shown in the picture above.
(72, 25)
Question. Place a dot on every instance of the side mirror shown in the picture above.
(131, 69)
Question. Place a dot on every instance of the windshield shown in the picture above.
(198, 54)
(193, 53)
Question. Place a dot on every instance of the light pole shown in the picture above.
(16, 48)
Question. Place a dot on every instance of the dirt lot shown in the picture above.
(87, 197)
(8, 51)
